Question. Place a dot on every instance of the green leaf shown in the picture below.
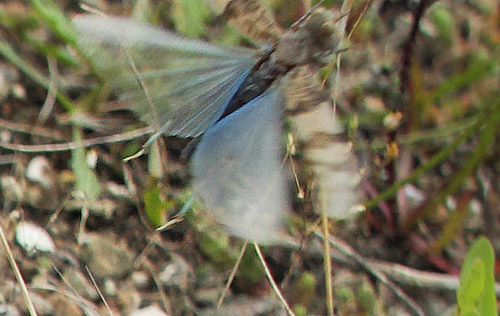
(476, 294)
(445, 25)
(58, 52)
(472, 285)
(142, 10)
(55, 18)
(366, 298)
(250, 270)
(215, 245)
(155, 205)
(305, 290)
(189, 17)
(86, 179)
(9, 54)
(155, 161)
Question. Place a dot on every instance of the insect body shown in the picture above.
(232, 95)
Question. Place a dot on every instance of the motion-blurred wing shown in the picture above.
(331, 161)
(187, 84)
(237, 172)
(304, 89)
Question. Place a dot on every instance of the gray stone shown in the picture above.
(106, 258)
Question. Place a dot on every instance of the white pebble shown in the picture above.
(33, 238)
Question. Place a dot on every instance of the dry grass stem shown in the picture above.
(17, 273)
(232, 274)
(271, 280)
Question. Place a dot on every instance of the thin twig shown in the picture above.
(91, 9)
(351, 253)
(48, 104)
(429, 165)
(297, 23)
(406, 83)
(144, 88)
(327, 263)
(422, 279)
(65, 281)
(164, 298)
(99, 291)
(58, 211)
(365, 9)
(271, 280)
(151, 104)
(30, 129)
(88, 307)
(289, 157)
(17, 273)
(83, 224)
(8, 52)
(74, 145)
(141, 259)
(170, 223)
(232, 275)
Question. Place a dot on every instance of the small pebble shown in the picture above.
(33, 238)
(152, 310)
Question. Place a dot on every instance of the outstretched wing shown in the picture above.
(187, 84)
(237, 172)
(336, 176)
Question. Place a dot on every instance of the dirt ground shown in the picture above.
(416, 95)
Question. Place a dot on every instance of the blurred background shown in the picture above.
(416, 93)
